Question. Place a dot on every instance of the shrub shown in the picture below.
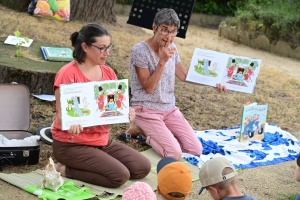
(278, 19)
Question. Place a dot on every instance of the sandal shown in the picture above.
(140, 139)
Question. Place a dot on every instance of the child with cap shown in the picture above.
(219, 177)
(297, 173)
(174, 179)
(139, 191)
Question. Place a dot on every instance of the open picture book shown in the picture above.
(94, 103)
(13, 40)
(253, 122)
(237, 73)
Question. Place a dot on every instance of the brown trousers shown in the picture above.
(109, 166)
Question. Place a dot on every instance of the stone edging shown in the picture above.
(281, 48)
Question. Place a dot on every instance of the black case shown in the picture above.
(14, 124)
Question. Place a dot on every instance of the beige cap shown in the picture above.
(211, 172)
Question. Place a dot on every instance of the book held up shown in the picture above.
(237, 73)
(94, 103)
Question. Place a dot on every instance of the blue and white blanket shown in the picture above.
(276, 147)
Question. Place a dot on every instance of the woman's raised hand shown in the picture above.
(166, 52)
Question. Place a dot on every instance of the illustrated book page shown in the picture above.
(237, 73)
(13, 40)
(253, 122)
(94, 103)
(205, 67)
(240, 73)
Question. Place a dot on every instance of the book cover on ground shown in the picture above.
(94, 103)
(253, 122)
(237, 73)
(58, 53)
(13, 40)
(44, 52)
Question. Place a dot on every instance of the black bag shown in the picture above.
(14, 123)
(32, 6)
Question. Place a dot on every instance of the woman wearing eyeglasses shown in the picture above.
(87, 154)
(154, 64)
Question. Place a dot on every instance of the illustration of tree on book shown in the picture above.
(237, 73)
(94, 103)
(73, 108)
(203, 68)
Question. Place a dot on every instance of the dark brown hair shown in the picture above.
(87, 34)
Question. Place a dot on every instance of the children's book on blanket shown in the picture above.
(94, 103)
(277, 146)
(237, 73)
(253, 122)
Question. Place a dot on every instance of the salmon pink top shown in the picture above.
(94, 135)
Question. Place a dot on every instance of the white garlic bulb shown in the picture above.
(51, 178)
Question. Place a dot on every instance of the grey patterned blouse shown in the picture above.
(162, 98)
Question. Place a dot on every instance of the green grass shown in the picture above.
(287, 197)
(280, 11)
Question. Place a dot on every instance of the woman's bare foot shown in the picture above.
(61, 168)
(135, 130)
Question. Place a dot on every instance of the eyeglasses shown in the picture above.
(104, 49)
(166, 32)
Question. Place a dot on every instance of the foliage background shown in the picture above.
(211, 7)
(277, 19)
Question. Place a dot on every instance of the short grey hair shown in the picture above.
(166, 16)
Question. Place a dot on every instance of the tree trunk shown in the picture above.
(19, 5)
(93, 10)
(37, 82)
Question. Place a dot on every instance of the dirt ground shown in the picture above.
(278, 85)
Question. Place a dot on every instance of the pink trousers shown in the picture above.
(169, 133)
